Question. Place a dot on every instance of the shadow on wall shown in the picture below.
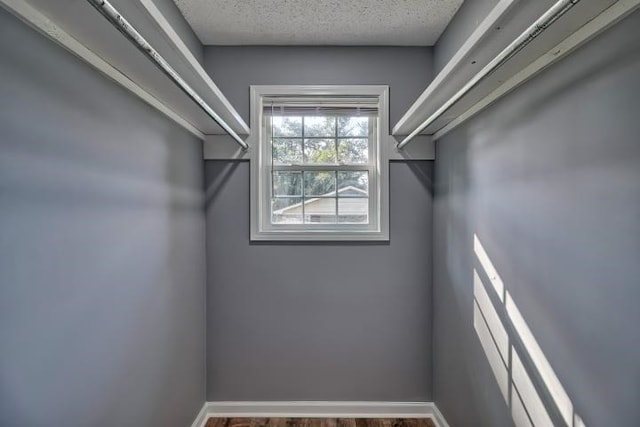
(213, 189)
(528, 384)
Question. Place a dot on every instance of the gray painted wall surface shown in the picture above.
(407, 70)
(323, 321)
(326, 321)
(549, 180)
(102, 275)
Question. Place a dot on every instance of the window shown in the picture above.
(317, 170)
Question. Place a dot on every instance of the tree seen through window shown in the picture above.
(319, 140)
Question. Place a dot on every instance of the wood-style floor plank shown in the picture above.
(319, 422)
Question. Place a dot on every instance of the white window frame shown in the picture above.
(261, 227)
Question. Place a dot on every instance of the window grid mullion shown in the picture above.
(335, 142)
(322, 168)
(304, 198)
(369, 167)
(321, 137)
(335, 173)
(335, 185)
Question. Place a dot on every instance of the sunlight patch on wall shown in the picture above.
(490, 315)
(491, 351)
(528, 383)
(491, 271)
(549, 377)
(528, 394)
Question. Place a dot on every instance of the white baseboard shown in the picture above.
(202, 417)
(439, 418)
(320, 410)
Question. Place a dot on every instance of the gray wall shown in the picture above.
(407, 70)
(102, 275)
(324, 321)
(549, 180)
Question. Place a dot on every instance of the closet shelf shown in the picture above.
(502, 25)
(81, 29)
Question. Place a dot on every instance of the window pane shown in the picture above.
(319, 183)
(353, 150)
(353, 126)
(287, 184)
(319, 126)
(287, 126)
(286, 210)
(320, 210)
(287, 151)
(353, 184)
(353, 210)
(319, 151)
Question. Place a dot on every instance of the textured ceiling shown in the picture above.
(318, 22)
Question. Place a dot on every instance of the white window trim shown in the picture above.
(260, 200)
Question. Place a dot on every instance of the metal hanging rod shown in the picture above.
(541, 24)
(118, 21)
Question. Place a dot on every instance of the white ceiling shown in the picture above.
(318, 22)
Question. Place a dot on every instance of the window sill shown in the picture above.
(320, 236)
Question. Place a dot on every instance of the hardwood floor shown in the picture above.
(320, 422)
